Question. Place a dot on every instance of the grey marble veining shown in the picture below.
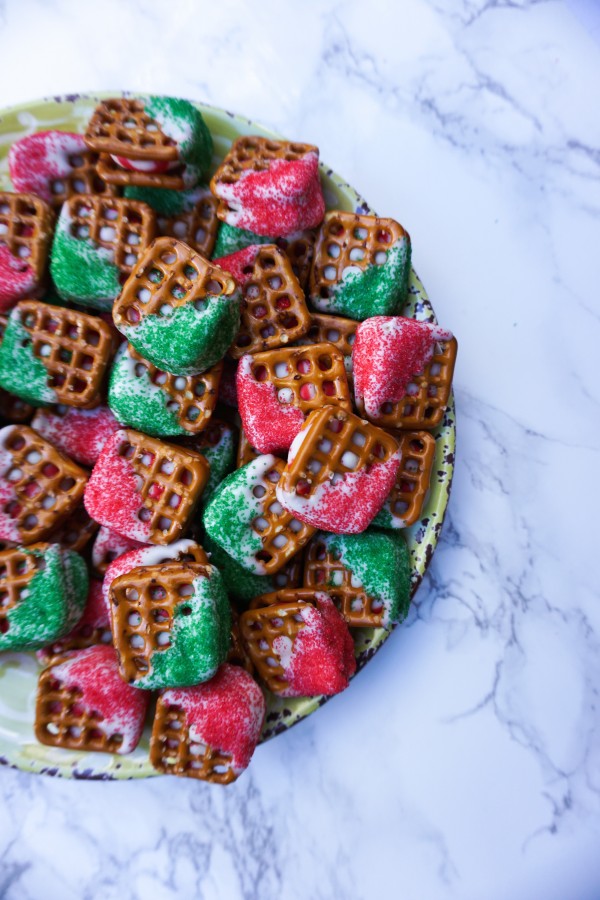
(464, 762)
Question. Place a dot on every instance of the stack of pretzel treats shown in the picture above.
(215, 425)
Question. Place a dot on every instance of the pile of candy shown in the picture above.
(155, 324)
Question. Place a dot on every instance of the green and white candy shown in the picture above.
(50, 604)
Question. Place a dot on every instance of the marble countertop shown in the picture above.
(464, 762)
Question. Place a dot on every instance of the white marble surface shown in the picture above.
(464, 762)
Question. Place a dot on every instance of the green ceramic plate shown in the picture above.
(18, 671)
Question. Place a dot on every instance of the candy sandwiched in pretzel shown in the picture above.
(270, 187)
(55, 165)
(403, 371)
(156, 402)
(97, 244)
(189, 216)
(366, 575)
(208, 731)
(84, 704)
(178, 311)
(43, 591)
(144, 488)
(276, 390)
(274, 312)
(26, 226)
(340, 469)
(55, 355)
(39, 487)
(171, 624)
(78, 433)
(299, 644)
(247, 521)
(360, 267)
(160, 142)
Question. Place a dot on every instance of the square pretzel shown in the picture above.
(196, 226)
(26, 228)
(172, 480)
(427, 395)
(253, 153)
(274, 311)
(123, 227)
(404, 504)
(260, 627)
(169, 274)
(47, 486)
(17, 568)
(335, 330)
(323, 571)
(74, 348)
(83, 178)
(349, 241)
(299, 248)
(192, 397)
(142, 606)
(115, 175)
(335, 442)
(174, 752)
(306, 377)
(121, 126)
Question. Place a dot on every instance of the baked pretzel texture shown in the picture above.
(26, 226)
(274, 311)
(350, 241)
(427, 395)
(169, 274)
(121, 126)
(125, 228)
(142, 606)
(47, 486)
(174, 752)
(74, 348)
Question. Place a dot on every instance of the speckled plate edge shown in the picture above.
(18, 672)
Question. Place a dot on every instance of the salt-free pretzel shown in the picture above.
(335, 443)
(142, 606)
(47, 486)
(281, 534)
(123, 227)
(406, 499)
(63, 720)
(260, 627)
(299, 248)
(427, 395)
(274, 311)
(335, 330)
(173, 751)
(171, 480)
(307, 377)
(169, 274)
(110, 171)
(121, 126)
(253, 153)
(197, 226)
(323, 571)
(349, 241)
(17, 568)
(193, 397)
(26, 228)
(74, 348)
